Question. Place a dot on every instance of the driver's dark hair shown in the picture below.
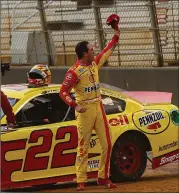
(81, 47)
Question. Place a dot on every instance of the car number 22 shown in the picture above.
(34, 163)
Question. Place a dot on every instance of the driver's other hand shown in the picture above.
(11, 125)
(80, 109)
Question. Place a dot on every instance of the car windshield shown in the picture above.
(12, 102)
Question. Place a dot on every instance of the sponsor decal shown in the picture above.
(80, 129)
(154, 126)
(82, 142)
(93, 70)
(150, 118)
(174, 114)
(91, 78)
(68, 99)
(165, 159)
(93, 142)
(93, 164)
(168, 146)
(50, 91)
(120, 120)
(66, 83)
(169, 159)
(81, 70)
(43, 74)
(92, 88)
(40, 142)
(81, 151)
(69, 76)
(151, 121)
(114, 122)
(79, 159)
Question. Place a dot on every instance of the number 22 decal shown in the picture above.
(59, 159)
(38, 163)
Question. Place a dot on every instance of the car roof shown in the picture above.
(20, 90)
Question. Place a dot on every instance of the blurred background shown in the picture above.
(47, 31)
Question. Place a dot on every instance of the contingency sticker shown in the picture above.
(93, 164)
(151, 121)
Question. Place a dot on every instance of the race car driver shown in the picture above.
(84, 79)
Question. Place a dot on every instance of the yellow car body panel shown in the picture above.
(46, 153)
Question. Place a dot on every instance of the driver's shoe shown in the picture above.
(106, 182)
(80, 187)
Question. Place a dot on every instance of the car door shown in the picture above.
(67, 126)
(43, 145)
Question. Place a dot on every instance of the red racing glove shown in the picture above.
(113, 21)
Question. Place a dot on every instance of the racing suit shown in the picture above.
(84, 79)
(7, 109)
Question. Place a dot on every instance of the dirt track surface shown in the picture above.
(162, 180)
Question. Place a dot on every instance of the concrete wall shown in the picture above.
(151, 79)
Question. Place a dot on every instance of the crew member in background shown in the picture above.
(84, 79)
(7, 109)
(5, 104)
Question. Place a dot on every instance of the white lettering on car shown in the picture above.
(169, 159)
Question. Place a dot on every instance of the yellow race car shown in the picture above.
(42, 149)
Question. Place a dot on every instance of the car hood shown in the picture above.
(147, 97)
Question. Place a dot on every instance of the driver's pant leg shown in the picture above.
(85, 124)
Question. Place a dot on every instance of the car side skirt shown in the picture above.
(165, 159)
(49, 180)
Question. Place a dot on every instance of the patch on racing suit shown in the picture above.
(81, 70)
(92, 88)
(68, 99)
(93, 164)
(79, 159)
(91, 78)
(81, 152)
(66, 83)
(82, 142)
(69, 76)
(80, 129)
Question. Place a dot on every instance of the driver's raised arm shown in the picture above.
(101, 58)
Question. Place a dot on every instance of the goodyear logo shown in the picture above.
(151, 121)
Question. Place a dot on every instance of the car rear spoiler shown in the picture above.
(148, 97)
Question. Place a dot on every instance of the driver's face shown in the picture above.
(91, 53)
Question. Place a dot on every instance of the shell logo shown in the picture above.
(151, 121)
(114, 122)
(120, 120)
(91, 78)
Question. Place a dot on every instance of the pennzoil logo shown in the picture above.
(150, 118)
(92, 88)
(151, 121)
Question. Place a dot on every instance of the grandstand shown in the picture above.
(72, 21)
